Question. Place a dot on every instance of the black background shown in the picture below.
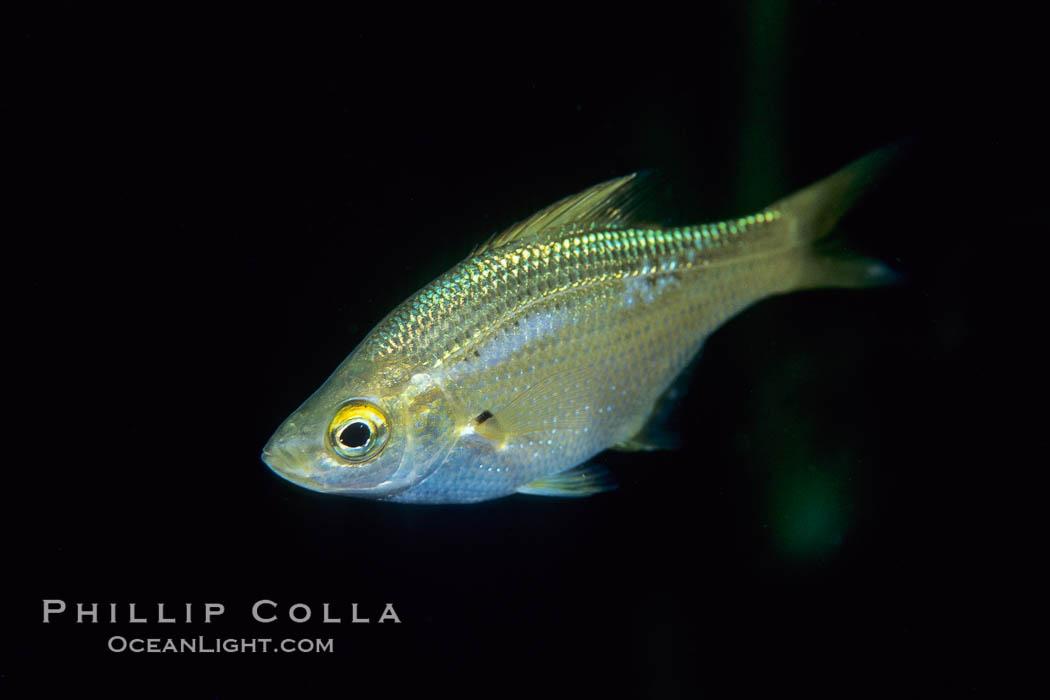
(212, 209)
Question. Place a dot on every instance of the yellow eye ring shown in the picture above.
(358, 431)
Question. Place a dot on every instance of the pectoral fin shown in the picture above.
(542, 407)
(584, 480)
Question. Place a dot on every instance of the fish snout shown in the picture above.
(286, 464)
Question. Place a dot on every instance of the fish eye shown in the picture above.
(358, 431)
(356, 434)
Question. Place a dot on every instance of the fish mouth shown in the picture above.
(282, 463)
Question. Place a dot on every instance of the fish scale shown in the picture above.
(552, 342)
(430, 323)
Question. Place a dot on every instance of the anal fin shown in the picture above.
(578, 482)
(655, 433)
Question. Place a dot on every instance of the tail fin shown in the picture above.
(811, 213)
(814, 210)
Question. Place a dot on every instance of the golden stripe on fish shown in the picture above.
(587, 259)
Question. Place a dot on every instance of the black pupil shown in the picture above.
(355, 435)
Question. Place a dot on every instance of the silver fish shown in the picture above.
(551, 342)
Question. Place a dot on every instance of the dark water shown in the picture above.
(220, 207)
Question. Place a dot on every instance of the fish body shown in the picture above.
(552, 342)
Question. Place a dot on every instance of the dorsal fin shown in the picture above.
(614, 203)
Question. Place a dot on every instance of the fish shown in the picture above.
(554, 340)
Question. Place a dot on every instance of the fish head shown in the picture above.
(372, 430)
